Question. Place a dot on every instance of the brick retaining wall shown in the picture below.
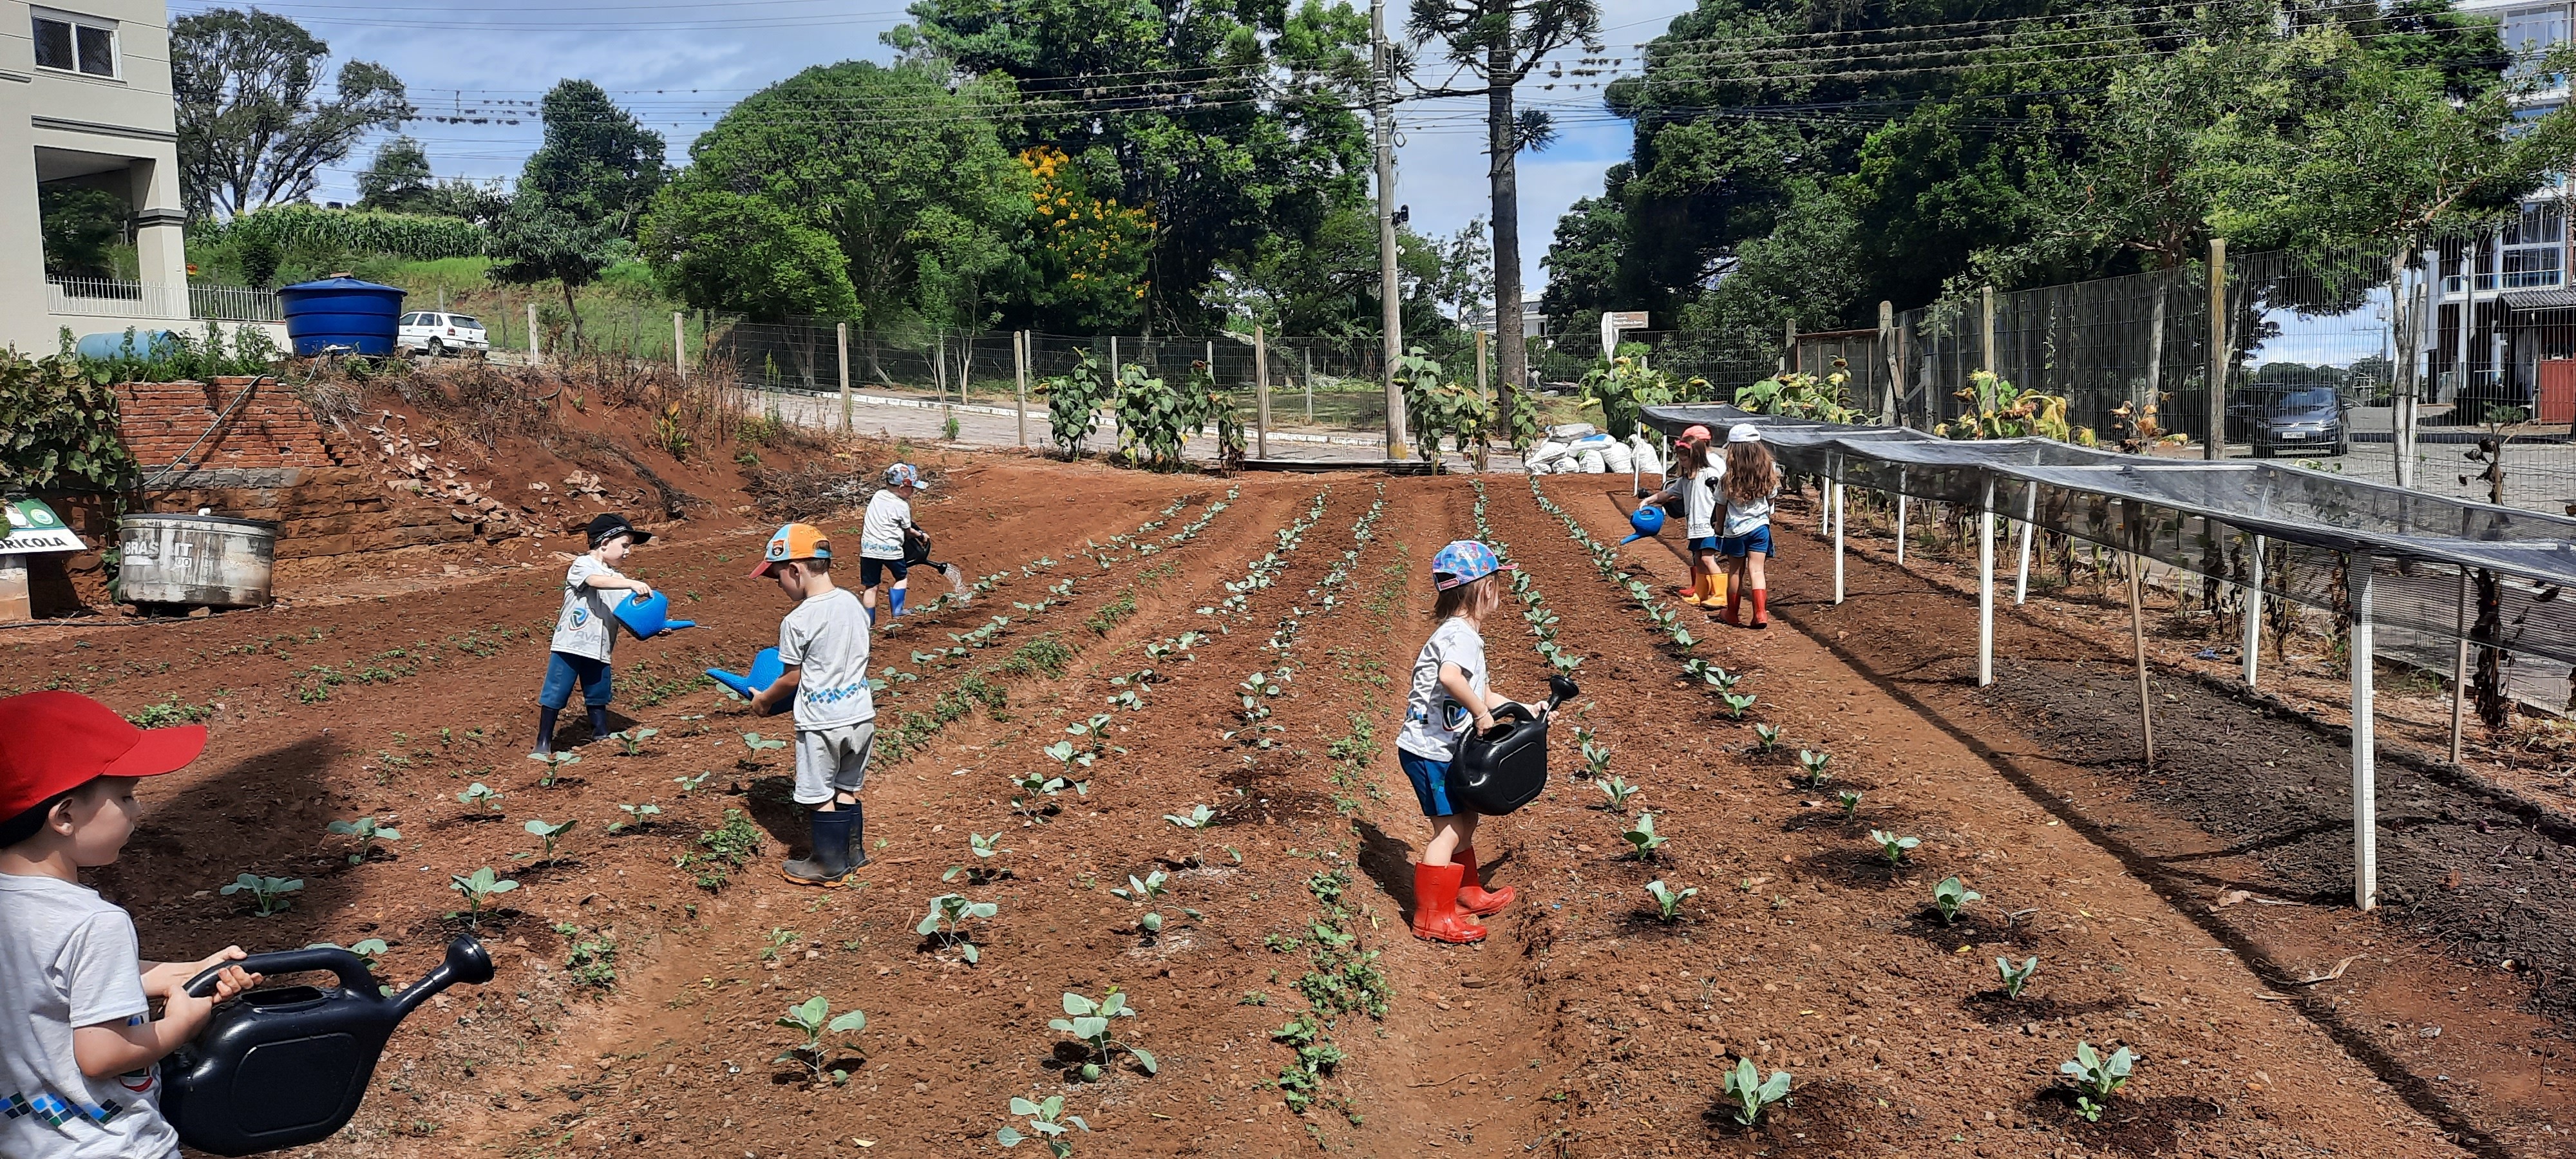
(161, 421)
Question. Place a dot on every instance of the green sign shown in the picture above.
(33, 527)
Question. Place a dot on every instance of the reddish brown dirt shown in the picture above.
(1582, 1027)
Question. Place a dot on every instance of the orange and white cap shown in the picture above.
(792, 542)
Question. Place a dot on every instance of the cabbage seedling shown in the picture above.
(368, 833)
(481, 886)
(1766, 737)
(2016, 978)
(1892, 846)
(693, 784)
(1814, 764)
(1618, 790)
(809, 1017)
(1065, 754)
(554, 763)
(953, 910)
(1643, 839)
(267, 893)
(758, 744)
(1736, 703)
(1596, 756)
(1951, 896)
(1710, 675)
(2097, 1078)
(1850, 799)
(1047, 1120)
(479, 797)
(631, 741)
(1146, 890)
(1750, 1097)
(1089, 1021)
(637, 817)
(1199, 817)
(1669, 902)
(537, 827)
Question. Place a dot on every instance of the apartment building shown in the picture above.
(2506, 328)
(85, 102)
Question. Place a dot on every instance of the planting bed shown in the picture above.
(1175, 746)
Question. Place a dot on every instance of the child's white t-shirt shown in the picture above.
(881, 534)
(1700, 502)
(69, 960)
(584, 628)
(827, 637)
(1433, 722)
(1743, 518)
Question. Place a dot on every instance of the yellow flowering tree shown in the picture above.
(1085, 255)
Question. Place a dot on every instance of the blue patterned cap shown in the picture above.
(1464, 562)
(902, 475)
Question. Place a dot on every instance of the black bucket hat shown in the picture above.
(607, 527)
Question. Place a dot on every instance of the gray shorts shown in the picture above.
(832, 760)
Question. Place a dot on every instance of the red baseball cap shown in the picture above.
(54, 741)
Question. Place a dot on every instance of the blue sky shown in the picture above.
(679, 65)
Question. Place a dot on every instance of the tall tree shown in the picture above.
(1500, 42)
(580, 194)
(1229, 124)
(252, 129)
(398, 179)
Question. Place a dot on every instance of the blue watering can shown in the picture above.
(648, 618)
(1649, 521)
(766, 668)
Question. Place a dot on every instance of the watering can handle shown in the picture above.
(352, 969)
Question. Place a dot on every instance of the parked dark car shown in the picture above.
(2298, 419)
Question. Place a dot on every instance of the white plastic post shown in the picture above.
(2029, 509)
(1986, 586)
(2253, 648)
(1900, 516)
(841, 343)
(1020, 381)
(1838, 531)
(2365, 786)
(679, 346)
(536, 357)
(2460, 671)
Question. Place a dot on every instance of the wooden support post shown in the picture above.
(2029, 531)
(680, 345)
(2460, 671)
(2365, 755)
(2215, 447)
(1986, 329)
(1482, 391)
(1986, 586)
(2138, 642)
(1887, 352)
(1260, 392)
(841, 342)
(1020, 381)
(2253, 646)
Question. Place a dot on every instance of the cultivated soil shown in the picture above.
(643, 972)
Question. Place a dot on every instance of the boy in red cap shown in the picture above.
(78, 1044)
(824, 644)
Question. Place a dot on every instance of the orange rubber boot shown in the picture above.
(1761, 612)
(1473, 897)
(1718, 596)
(1435, 906)
(1698, 596)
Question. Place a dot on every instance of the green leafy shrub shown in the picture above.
(58, 428)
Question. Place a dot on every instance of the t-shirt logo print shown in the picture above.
(580, 616)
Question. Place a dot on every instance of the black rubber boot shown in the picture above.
(829, 865)
(858, 832)
(546, 728)
(599, 729)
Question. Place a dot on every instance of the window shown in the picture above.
(75, 45)
(462, 320)
(409, 320)
(2530, 32)
(2533, 247)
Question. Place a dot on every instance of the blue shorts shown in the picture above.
(872, 570)
(564, 669)
(1739, 546)
(1705, 543)
(1430, 783)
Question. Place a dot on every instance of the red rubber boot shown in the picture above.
(1726, 611)
(1435, 906)
(1761, 610)
(1473, 897)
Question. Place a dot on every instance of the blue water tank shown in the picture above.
(147, 344)
(341, 315)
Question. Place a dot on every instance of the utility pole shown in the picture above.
(1381, 89)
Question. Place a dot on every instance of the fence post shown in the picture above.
(1788, 345)
(1887, 347)
(1986, 330)
(1260, 391)
(1020, 376)
(2215, 447)
(2365, 757)
(536, 357)
(680, 345)
(1310, 387)
(841, 339)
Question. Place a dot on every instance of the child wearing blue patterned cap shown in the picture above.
(1448, 693)
(823, 643)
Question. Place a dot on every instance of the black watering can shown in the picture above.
(1503, 769)
(284, 1066)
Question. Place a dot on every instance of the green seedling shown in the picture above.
(1596, 756)
(1766, 737)
(1199, 817)
(952, 911)
(1893, 847)
(537, 827)
(1046, 1120)
(480, 798)
(1710, 675)
(1618, 790)
(693, 784)
(368, 833)
(1813, 763)
(1089, 1021)
(479, 887)
(1150, 925)
(1128, 700)
(1850, 799)
(2015, 977)
(2097, 1078)
(813, 1017)
(758, 744)
(637, 817)
(268, 894)
(1668, 902)
(370, 949)
(1736, 703)
(1643, 840)
(1751, 1098)
(1149, 888)
(779, 939)
(554, 763)
(631, 741)
(983, 847)
(1067, 754)
(1951, 896)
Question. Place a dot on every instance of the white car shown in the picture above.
(439, 335)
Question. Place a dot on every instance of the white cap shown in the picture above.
(1744, 433)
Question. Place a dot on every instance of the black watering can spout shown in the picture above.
(284, 1066)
